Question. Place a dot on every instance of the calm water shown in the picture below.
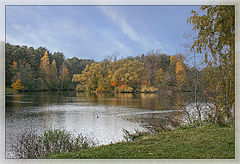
(98, 116)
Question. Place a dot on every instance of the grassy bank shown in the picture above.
(206, 142)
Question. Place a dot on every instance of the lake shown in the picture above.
(98, 116)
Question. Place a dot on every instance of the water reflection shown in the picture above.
(101, 116)
(142, 100)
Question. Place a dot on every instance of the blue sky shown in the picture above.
(97, 31)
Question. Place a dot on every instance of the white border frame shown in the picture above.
(3, 3)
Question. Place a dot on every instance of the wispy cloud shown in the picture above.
(130, 31)
(47, 30)
(24, 35)
(118, 45)
(33, 32)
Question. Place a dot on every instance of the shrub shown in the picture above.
(30, 145)
(80, 87)
(124, 89)
(148, 89)
(132, 136)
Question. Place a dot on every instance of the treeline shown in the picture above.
(30, 69)
(151, 73)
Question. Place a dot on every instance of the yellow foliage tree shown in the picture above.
(172, 60)
(17, 85)
(131, 73)
(180, 73)
(215, 25)
(109, 74)
(91, 77)
(46, 68)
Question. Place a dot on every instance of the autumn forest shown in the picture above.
(38, 70)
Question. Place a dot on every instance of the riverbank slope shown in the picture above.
(204, 142)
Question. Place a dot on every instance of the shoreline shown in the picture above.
(200, 142)
(11, 91)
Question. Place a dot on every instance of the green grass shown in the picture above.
(205, 142)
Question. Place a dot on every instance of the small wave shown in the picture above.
(27, 102)
(150, 112)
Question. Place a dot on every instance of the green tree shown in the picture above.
(59, 59)
(76, 66)
(172, 71)
(34, 61)
(153, 62)
(15, 71)
(64, 76)
(8, 63)
(54, 76)
(159, 78)
(27, 78)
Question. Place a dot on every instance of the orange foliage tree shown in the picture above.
(17, 85)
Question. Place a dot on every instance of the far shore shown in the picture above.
(12, 91)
